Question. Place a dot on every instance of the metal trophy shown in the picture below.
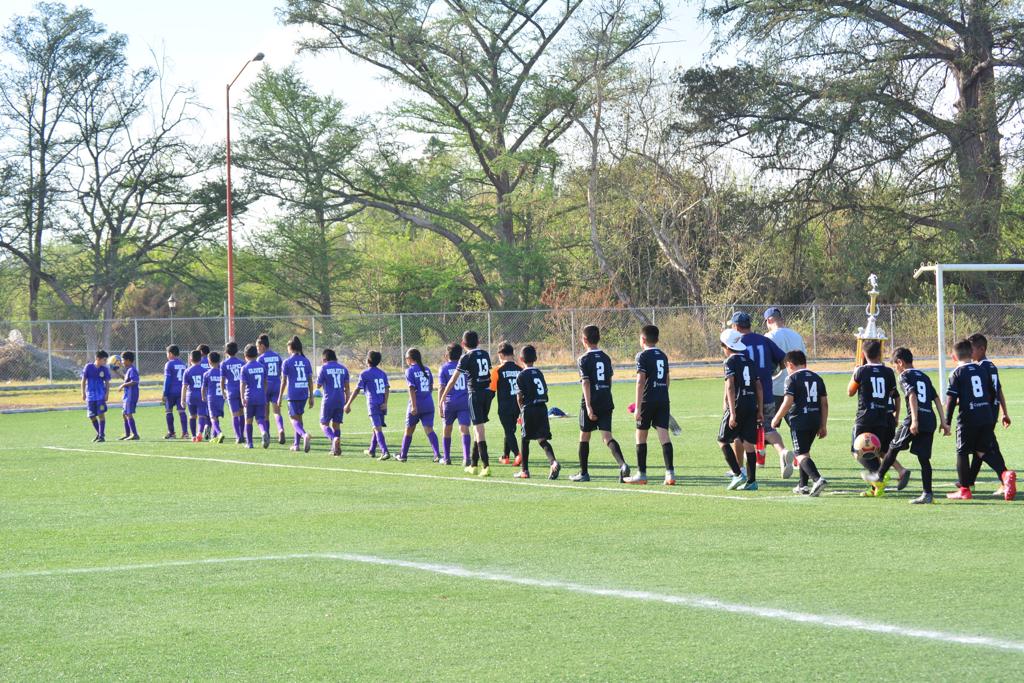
(870, 331)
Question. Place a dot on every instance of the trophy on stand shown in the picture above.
(870, 331)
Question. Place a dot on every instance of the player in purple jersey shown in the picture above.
(272, 360)
(230, 376)
(421, 404)
(174, 373)
(374, 383)
(192, 396)
(296, 373)
(204, 363)
(333, 382)
(455, 406)
(253, 388)
(129, 396)
(213, 397)
(95, 391)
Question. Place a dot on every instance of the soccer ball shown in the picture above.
(631, 408)
(867, 444)
(114, 361)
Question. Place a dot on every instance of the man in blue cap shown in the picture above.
(767, 358)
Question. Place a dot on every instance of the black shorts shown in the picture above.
(919, 444)
(652, 415)
(603, 422)
(883, 430)
(746, 428)
(803, 437)
(480, 406)
(971, 439)
(535, 422)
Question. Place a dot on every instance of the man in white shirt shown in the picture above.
(787, 340)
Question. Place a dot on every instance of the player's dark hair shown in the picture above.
(330, 356)
(373, 358)
(963, 349)
(978, 341)
(231, 348)
(416, 357)
(798, 358)
(173, 350)
(903, 355)
(528, 353)
(295, 345)
(214, 357)
(454, 351)
(102, 354)
(650, 333)
(204, 349)
(128, 356)
(873, 349)
(471, 339)
(592, 333)
(195, 355)
(263, 340)
(505, 349)
(251, 351)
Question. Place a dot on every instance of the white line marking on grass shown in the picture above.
(831, 621)
(414, 475)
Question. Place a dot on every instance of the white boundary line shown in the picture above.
(653, 491)
(836, 621)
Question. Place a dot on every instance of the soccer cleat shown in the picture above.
(923, 499)
(623, 473)
(801, 490)
(306, 440)
(336, 446)
(293, 448)
(280, 437)
(266, 440)
(124, 438)
(1009, 485)
(749, 486)
(248, 445)
(437, 458)
(640, 479)
(523, 474)
(581, 477)
(871, 492)
(372, 454)
(401, 458)
(786, 464)
(518, 462)
(446, 460)
(738, 480)
(101, 439)
(505, 460)
(962, 493)
(133, 437)
(384, 456)
(903, 480)
(485, 472)
(198, 438)
(730, 475)
(556, 467)
(238, 441)
(186, 435)
(670, 478)
(172, 435)
(469, 469)
(207, 432)
(818, 487)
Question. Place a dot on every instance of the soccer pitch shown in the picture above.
(175, 560)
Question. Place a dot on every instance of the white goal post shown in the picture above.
(940, 304)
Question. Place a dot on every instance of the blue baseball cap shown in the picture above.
(772, 312)
(740, 318)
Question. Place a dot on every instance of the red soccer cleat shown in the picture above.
(1009, 485)
(519, 461)
(963, 493)
(522, 474)
(505, 460)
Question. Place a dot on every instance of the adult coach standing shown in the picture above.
(788, 340)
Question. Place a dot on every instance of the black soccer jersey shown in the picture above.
(990, 368)
(506, 387)
(807, 389)
(654, 364)
(971, 388)
(915, 382)
(596, 368)
(532, 386)
(743, 369)
(476, 366)
(876, 392)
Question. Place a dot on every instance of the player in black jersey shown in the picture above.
(805, 409)
(994, 457)
(475, 366)
(533, 399)
(919, 426)
(503, 384)
(652, 405)
(742, 408)
(597, 405)
(971, 389)
(874, 385)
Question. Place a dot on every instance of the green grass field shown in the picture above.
(157, 560)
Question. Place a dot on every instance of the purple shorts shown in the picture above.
(128, 406)
(235, 403)
(332, 413)
(254, 410)
(426, 419)
(297, 408)
(377, 417)
(95, 408)
(215, 407)
(197, 408)
(458, 412)
(172, 401)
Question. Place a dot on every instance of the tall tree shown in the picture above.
(489, 77)
(923, 98)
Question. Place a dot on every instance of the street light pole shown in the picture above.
(231, 247)
(172, 303)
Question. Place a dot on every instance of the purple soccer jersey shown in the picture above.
(374, 383)
(457, 396)
(130, 395)
(299, 372)
(253, 383)
(421, 380)
(174, 374)
(204, 363)
(194, 385)
(272, 361)
(231, 369)
(96, 377)
(214, 395)
(332, 378)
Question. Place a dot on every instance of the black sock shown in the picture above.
(548, 451)
(994, 459)
(926, 473)
(730, 459)
(975, 470)
(666, 453)
(641, 457)
(963, 471)
(483, 454)
(887, 462)
(475, 458)
(871, 464)
(807, 467)
(617, 453)
(525, 454)
(803, 478)
(752, 466)
(584, 455)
